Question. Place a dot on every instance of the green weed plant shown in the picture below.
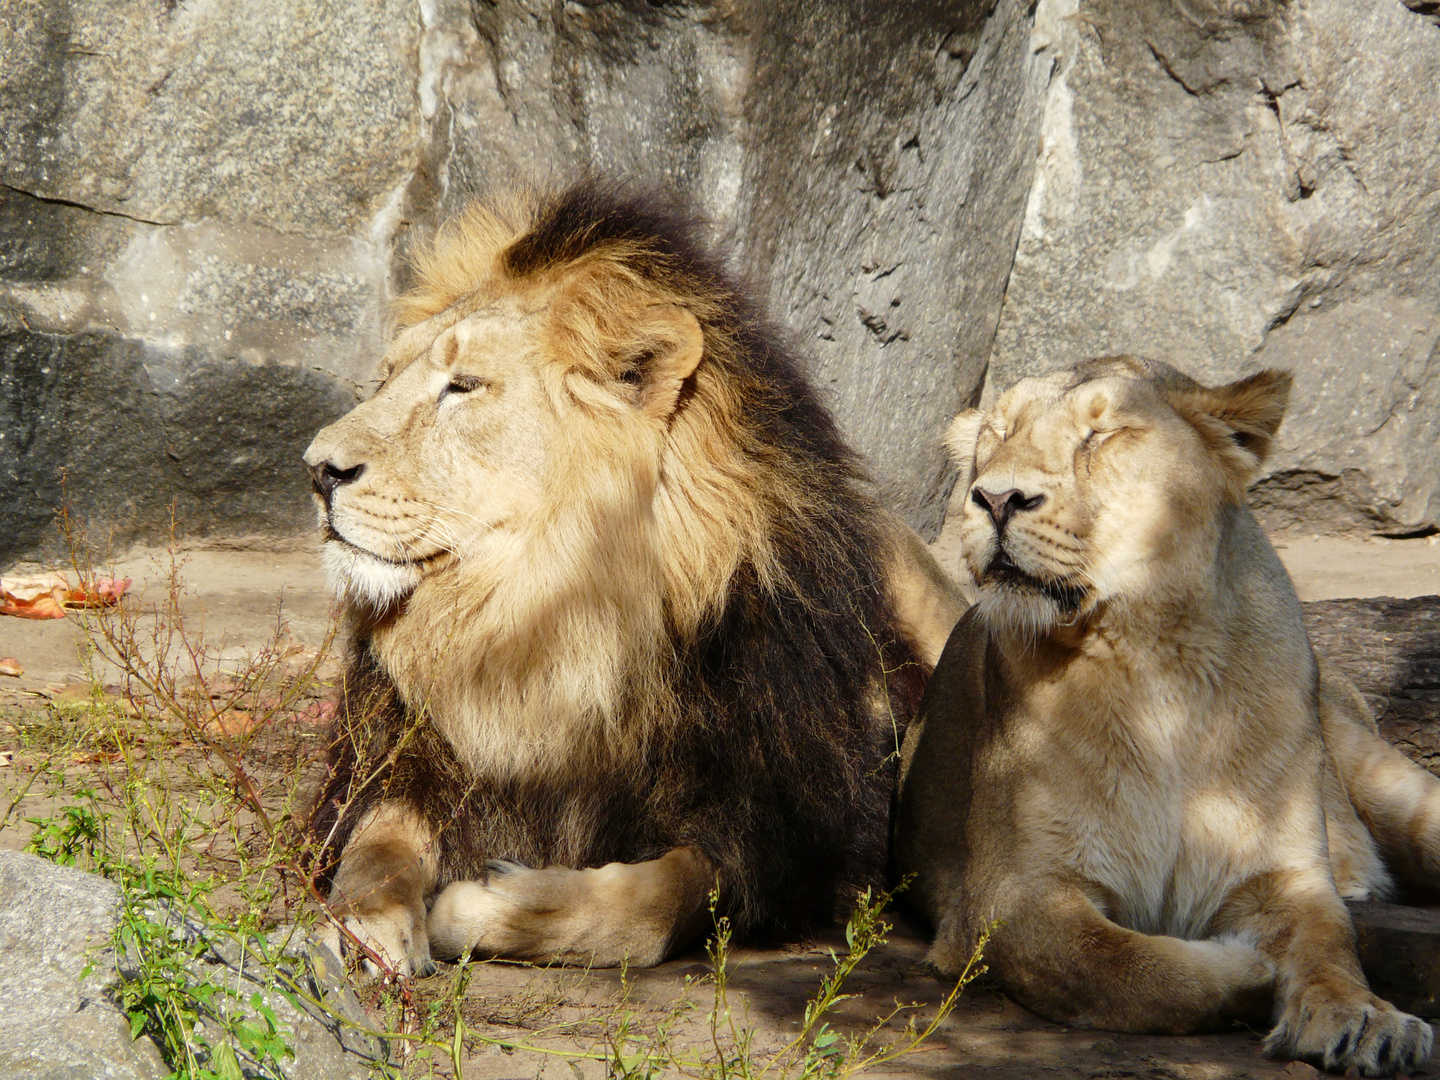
(148, 782)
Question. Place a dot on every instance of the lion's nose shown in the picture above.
(327, 477)
(1002, 504)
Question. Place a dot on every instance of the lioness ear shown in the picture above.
(960, 440)
(1241, 418)
(668, 350)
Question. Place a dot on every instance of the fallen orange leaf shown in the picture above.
(230, 723)
(12, 667)
(43, 607)
(46, 596)
(102, 592)
(33, 586)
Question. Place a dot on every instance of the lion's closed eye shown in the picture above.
(1098, 436)
(464, 384)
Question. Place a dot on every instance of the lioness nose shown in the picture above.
(327, 478)
(1002, 504)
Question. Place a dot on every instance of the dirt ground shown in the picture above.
(237, 596)
(244, 599)
(986, 1036)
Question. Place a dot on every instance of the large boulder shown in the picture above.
(53, 1023)
(204, 209)
(1390, 649)
(58, 972)
(196, 205)
(1230, 184)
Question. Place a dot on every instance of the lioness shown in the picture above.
(1128, 755)
(626, 625)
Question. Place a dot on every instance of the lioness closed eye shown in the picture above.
(626, 626)
(1128, 752)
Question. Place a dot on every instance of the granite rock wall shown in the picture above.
(1233, 184)
(196, 202)
(205, 207)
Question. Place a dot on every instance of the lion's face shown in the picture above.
(1104, 483)
(481, 435)
(442, 461)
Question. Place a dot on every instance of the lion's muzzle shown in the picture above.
(1002, 505)
(326, 477)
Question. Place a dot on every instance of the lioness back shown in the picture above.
(626, 625)
(1119, 761)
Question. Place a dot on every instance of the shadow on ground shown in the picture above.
(986, 1036)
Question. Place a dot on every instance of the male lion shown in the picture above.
(1127, 754)
(626, 626)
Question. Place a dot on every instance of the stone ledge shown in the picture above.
(1390, 649)
(1399, 949)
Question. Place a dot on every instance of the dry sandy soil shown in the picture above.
(238, 595)
(241, 597)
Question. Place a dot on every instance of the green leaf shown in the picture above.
(227, 1065)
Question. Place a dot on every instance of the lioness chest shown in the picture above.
(1158, 802)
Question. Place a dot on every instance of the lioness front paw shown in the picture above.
(1339, 1030)
(393, 936)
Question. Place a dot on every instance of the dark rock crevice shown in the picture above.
(52, 201)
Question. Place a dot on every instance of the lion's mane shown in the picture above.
(714, 664)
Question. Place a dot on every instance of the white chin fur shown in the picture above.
(1017, 613)
(356, 578)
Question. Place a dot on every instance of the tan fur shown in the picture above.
(710, 500)
(475, 601)
(927, 601)
(634, 913)
(606, 523)
(379, 894)
(1398, 804)
(1120, 755)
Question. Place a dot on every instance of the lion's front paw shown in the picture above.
(504, 915)
(393, 935)
(1343, 1028)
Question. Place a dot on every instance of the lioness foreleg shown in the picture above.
(386, 870)
(927, 602)
(1324, 1010)
(635, 913)
(1063, 958)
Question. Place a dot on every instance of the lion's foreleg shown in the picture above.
(1324, 1011)
(386, 870)
(635, 913)
(1063, 958)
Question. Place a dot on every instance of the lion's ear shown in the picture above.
(960, 439)
(1239, 419)
(668, 352)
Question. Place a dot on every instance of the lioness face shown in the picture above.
(443, 461)
(1102, 484)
